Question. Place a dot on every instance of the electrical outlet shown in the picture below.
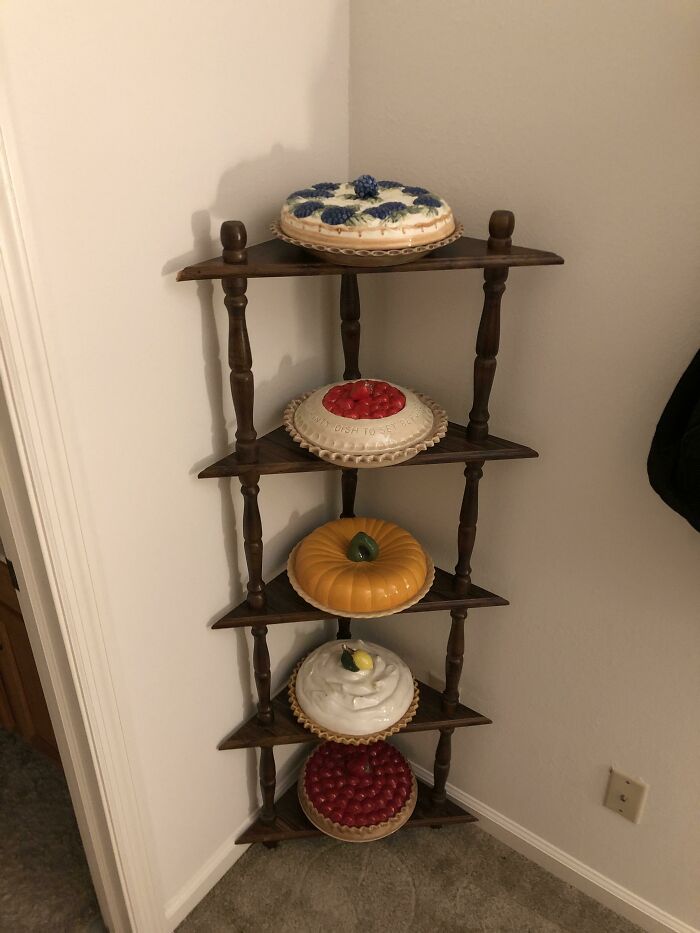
(626, 795)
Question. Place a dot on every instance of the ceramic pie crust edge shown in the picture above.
(368, 460)
(355, 833)
(329, 736)
(334, 611)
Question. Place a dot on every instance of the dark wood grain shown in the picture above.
(285, 605)
(441, 768)
(348, 485)
(291, 823)
(466, 533)
(350, 325)
(500, 231)
(268, 782)
(344, 628)
(285, 730)
(261, 669)
(275, 258)
(277, 453)
(454, 659)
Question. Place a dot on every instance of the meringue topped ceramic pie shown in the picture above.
(366, 214)
(357, 794)
(365, 423)
(353, 688)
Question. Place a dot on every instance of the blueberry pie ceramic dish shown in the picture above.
(366, 222)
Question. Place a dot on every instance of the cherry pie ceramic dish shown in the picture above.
(357, 794)
(365, 423)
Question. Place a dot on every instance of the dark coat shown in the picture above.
(674, 458)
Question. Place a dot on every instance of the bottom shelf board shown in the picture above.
(291, 823)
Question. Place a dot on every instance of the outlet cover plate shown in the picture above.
(626, 795)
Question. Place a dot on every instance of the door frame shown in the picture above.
(41, 528)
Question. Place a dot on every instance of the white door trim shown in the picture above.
(91, 732)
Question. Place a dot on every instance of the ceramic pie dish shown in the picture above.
(358, 707)
(368, 215)
(361, 568)
(365, 432)
(357, 795)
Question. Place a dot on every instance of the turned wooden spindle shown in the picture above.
(466, 533)
(441, 767)
(500, 232)
(268, 781)
(261, 668)
(350, 324)
(233, 238)
(350, 336)
(348, 485)
(454, 659)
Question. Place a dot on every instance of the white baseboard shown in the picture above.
(538, 850)
(565, 866)
(219, 862)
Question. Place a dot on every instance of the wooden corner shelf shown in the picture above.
(277, 453)
(275, 258)
(290, 822)
(283, 603)
(273, 602)
(285, 730)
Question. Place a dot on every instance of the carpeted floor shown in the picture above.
(450, 880)
(45, 884)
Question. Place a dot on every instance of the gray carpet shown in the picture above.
(450, 880)
(45, 884)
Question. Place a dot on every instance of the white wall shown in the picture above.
(139, 127)
(582, 119)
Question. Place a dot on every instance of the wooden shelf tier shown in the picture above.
(285, 605)
(278, 453)
(276, 258)
(285, 730)
(291, 823)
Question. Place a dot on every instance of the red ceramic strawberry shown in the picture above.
(364, 399)
(346, 787)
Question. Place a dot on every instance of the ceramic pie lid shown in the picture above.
(366, 214)
(348, 434)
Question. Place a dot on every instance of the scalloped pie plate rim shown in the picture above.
(378, 257)
(367, 461)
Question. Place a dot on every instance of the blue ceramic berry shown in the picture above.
(326, 186)
(304, 193)
(389, 184)
(382, 211)
(307, 208)
(365, 186)
(337, 215)
(414, 191)
(428, 200)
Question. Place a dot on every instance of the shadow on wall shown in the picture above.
(252, 191)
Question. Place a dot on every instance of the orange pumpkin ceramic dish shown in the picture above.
(361, 568)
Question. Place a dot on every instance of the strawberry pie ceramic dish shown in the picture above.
(366, 221)
(354, 692)
(365, 423)
(357, 794)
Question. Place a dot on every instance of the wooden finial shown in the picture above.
(233, 240)
(501, 228)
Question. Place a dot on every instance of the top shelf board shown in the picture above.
(275, 258)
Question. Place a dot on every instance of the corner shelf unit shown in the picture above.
(276, 602)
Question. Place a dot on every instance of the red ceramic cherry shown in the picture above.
(358, 786)
(364, 399)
